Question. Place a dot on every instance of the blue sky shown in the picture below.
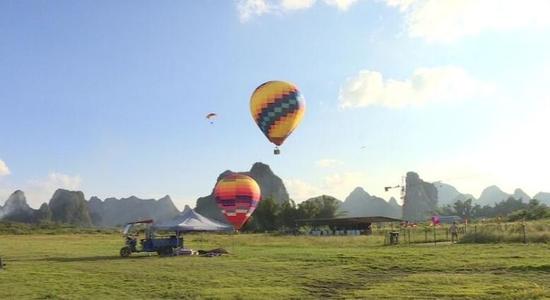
(110, 97)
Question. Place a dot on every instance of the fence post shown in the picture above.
(475, 233)
(435, 235)
(409, 236)
(425, 235)
(524, 234)
(446, 234)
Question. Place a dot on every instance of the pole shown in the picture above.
(435, 236)
(524, 234)
(425, 235)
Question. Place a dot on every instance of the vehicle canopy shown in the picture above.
(130, 225)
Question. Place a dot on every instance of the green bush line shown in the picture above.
(14, 228)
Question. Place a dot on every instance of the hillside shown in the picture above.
(70, 207)
(420, 200)
(543, 198)
(360, 203)
(113, 211)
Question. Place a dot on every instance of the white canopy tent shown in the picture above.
(190, 220)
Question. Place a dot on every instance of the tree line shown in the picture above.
(511, 208)
(271, 216)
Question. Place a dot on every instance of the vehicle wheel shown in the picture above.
(125, 251)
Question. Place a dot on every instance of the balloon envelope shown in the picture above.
(237, 197)
(277, 107)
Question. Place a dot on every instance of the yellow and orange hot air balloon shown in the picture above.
(277, 107)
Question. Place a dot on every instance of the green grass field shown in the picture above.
(271, 267)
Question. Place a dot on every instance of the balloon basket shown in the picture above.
(276, 151)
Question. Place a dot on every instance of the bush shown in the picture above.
(50, 228)
(488, 234)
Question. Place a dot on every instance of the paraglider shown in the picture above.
(211, 116)
(237, 196)
(277, 107)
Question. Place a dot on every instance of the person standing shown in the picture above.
(454, 232)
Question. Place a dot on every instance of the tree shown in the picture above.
(319, 207)
(264, 217)
(288, 213)
(465, 209)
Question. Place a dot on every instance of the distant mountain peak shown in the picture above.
(165, 199)
(519, 194)
(359, 204)
(491, 195)
(259, 166)
(16, 208)
(359, 191)
(113, 211)
(492, 188)
(421, 198)
(17, 197)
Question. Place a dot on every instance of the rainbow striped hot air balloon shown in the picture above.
(277, 107)
(237, 197)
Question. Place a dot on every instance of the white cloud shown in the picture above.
(342, 5)
(338, 185)
(426, 85)
(296, 4)
(401, 4)
(41, 190)
(254, 8)
(449, 20)
(250, 8)
(327, 163)
(300, 190)
(4, 170)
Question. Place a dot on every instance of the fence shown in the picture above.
(518, 232)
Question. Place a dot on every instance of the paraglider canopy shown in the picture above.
(190, 220)
(211, 117)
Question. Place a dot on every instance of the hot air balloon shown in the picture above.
(237, 197)
(277, 107)
(211, 117)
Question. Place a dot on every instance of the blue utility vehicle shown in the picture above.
(164, 245)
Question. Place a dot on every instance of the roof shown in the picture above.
(141, 222)
(347, 221)
(190, 220)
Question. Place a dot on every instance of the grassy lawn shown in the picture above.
(270, 267)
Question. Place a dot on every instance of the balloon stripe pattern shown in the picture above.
(237, 196)
(277, 107)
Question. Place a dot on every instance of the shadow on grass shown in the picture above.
(539, 268)
(90, 258)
